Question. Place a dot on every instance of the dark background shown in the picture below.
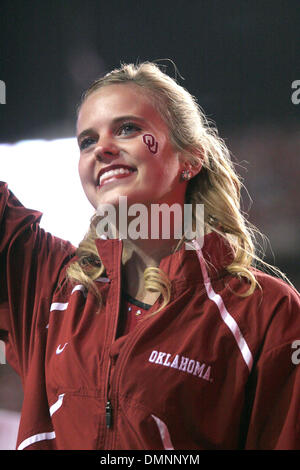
(239, 58)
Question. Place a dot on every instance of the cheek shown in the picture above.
(80, 168)
(83, 170)
(151, 143)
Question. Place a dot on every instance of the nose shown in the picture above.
(106, 150)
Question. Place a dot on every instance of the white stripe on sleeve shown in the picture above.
(81, 288)
(102, 279)
(36, 438)
(59, 306)
(64, 306)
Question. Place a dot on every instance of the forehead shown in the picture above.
(113, 101)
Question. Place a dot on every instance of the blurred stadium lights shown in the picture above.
(43, 175)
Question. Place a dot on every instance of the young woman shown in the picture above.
(155, 342)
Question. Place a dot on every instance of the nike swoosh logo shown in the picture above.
(60, 349)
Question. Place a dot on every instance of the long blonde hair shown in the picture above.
(217, 185)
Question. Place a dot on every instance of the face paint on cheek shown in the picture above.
(151, 143)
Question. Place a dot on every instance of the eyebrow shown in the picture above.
(114, 121)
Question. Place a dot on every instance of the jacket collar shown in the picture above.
(180, 266)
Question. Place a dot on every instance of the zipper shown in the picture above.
(108, 404)
(108, 414)
(109, 411)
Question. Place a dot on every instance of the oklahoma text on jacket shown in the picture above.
(190, 366)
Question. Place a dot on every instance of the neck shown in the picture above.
(139, 255)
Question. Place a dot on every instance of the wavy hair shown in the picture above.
(217, 186)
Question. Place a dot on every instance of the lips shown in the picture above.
(113, 172)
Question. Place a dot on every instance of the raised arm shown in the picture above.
(30, 263)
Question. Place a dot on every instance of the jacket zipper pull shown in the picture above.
(108, 414)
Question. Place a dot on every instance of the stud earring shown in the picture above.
(186, 175)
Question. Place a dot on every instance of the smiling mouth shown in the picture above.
(114, 175)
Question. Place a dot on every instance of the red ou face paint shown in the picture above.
(151, 143)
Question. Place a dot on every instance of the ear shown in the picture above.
(192, 162)
(196, 166)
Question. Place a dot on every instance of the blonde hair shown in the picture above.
(217, 185)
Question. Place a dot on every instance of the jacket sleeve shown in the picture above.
(30, 263)
(274, 397)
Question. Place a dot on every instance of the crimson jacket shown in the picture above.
(212, 370)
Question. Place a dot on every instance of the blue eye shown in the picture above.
(128, 128)
(85, 143)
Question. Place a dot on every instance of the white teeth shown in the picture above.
(112, 173)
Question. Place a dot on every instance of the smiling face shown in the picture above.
(125, 146)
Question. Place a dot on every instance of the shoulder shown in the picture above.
(277, 292)
(277, 309)
(271, 292)
(270, 316)
(283, 302)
